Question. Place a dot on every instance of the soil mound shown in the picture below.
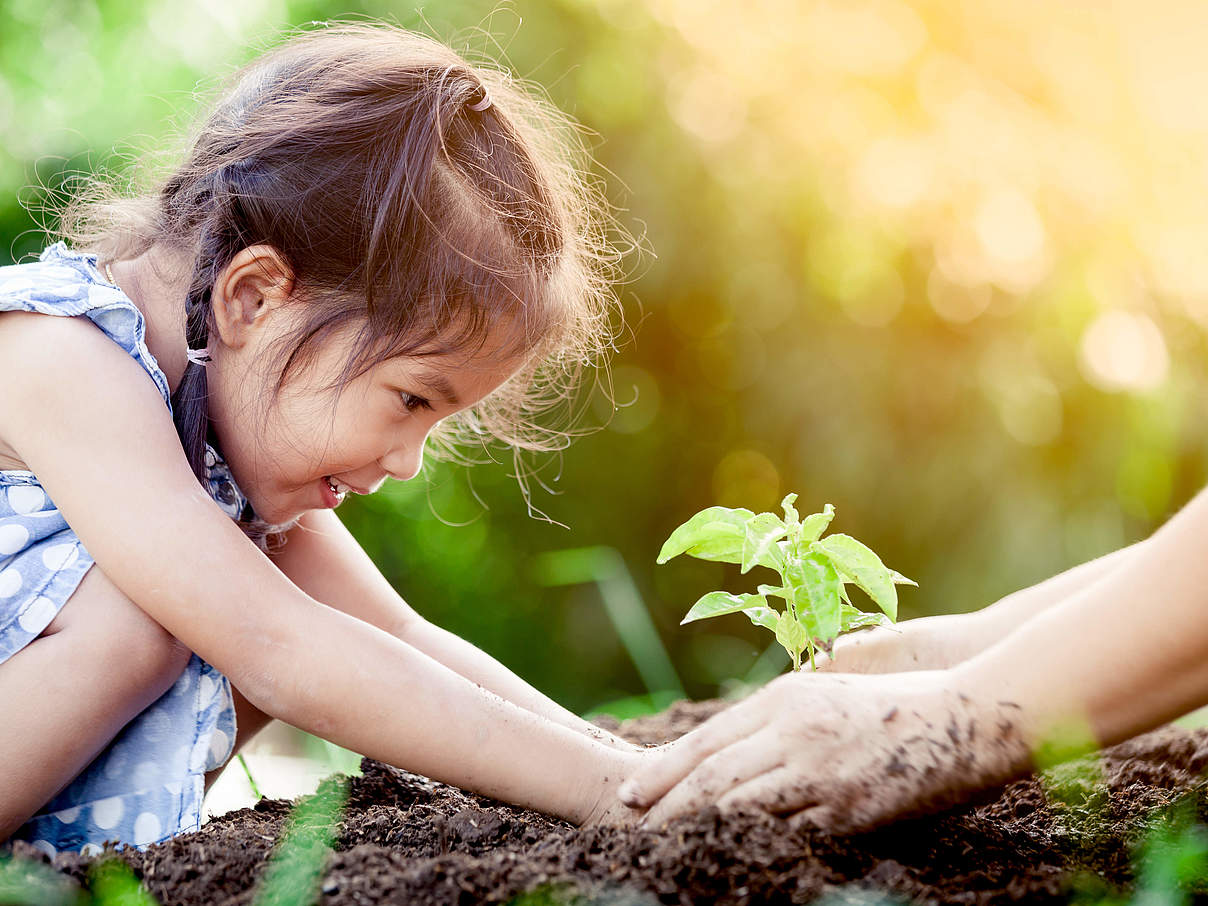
(407, 839)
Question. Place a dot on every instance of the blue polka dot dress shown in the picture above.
(148, 783)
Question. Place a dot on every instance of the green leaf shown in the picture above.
(759, 541)
(813, 526)
(719, 603)
(899, 579)
(865, 568)
(763, 616)
(791, 517)
(790, 634)
(775, 591)
(810, 625)
(815, 583)
(853, 618)
(713, 534)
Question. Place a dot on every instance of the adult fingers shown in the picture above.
(817, 817)
(835, 819)
(779, 791)
(651, 781)
(714, 776)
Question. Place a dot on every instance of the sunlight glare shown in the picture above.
(1124, 351)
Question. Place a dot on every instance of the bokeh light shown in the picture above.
(937, 263)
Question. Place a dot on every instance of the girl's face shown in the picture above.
(310, 447)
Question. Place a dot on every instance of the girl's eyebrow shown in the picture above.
(439, 385)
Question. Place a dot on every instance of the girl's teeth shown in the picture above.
(335, 488)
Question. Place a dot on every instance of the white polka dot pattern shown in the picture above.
(38, 615)
(26, 499)
(147, 829)
(10, 582)
(57, 556)
(108, 812)
(13, 537)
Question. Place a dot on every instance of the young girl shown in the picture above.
(369, 237)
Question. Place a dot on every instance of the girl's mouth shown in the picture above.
(333, 491)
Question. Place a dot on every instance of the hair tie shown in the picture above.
(482, 104)
(199, 356)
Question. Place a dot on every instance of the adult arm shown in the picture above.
(110, 459)
(936, 642)
(1115, 658)
(324, 560)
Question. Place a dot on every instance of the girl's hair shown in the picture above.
(411, 209)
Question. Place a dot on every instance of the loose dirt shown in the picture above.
(408, 840)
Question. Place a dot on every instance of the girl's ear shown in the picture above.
(256, 283)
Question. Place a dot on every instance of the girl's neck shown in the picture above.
(157, 283)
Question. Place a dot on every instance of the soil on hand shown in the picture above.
(406, 839)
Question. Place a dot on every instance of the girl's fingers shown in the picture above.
(651, 781)
(778, 791)
(714, 776)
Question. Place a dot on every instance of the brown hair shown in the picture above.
(421, 198)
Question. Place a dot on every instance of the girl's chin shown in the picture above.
(277, 512)
(286, 506)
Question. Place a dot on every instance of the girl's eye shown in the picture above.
(413, 402)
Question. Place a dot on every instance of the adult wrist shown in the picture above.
(1001, 714)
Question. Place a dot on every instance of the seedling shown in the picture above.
(814, 574)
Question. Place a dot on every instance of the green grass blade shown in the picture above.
(295, 870)
(250, 779)
(26, 881)
(624, 605)
(113, 883)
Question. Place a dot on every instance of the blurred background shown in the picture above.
(939, 264)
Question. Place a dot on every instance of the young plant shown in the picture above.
(814, 574)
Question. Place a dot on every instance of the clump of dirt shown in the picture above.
(407, 839)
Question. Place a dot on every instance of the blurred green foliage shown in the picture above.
(915, 260)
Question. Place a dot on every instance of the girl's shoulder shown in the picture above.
(67, 283)
(60, 282)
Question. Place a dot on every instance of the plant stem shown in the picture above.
(810, 647)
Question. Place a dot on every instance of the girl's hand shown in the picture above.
(602, 736)
(608, 809)
(842, 753)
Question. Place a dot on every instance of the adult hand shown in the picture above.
(839, 752)
(926, 643)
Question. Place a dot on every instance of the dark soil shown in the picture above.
(407, 840)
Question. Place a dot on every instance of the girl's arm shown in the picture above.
(93, 428)
(1117, 657)
(933, 643)
(323, 559)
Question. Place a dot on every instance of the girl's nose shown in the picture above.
(404, 461)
